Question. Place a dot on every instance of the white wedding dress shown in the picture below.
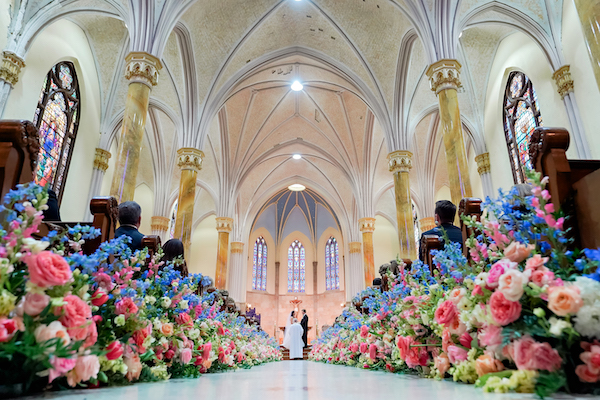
(295, 341)
(286, 336)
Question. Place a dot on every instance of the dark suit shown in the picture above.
(304, 324)
(133, 233)
(453, 232)
(53, 211)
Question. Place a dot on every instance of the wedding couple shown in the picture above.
(296, 335)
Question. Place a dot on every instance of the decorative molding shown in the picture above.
(564, 82)
(483, 163)
(142, 67)
(237, 247)
(400, 161)
(427, 223)
(190, 158)
(224, 224)
(160, 224)
(444, 74)
(366, 225)
(355, 247)
(11, 67)
(101, 159)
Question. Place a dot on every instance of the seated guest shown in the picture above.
(445, 212)
(53, 211)
(130, 218)
(173, 249)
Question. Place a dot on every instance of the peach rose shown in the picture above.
(457, 294)
(517, 252)
(35, 303)
(486, 364)
(542, 276)
(442, 364)
(511, 284)
(564, 300)
(86, 368)
(47, 269)
(535, 262)
(503, 310)
(497, 270)
(54, 329)
(167, 329)
(134, 367)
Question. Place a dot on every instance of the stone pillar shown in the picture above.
(277, 333)
(484, 169)
(400, 163)
(356, 274)
(427, 223)
(224, 227)
(10, 69)
(142, 73)
(565, 87)
(367, 226)
(315, 316)
(589, 15)
(160, 227)
(444, 79)
(189, 160)
(100, 166)
(237, 284)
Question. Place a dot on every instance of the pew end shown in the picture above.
(19, 148)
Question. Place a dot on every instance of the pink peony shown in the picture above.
(126, 307)
(35, 303)
(446, 313)
(511, 284)
(47, 269)
(517, 252)
(60, 366)
(8, 327)
(504, 311)
(186, 356)
(74, 313)
(456, 354)
(491, 337)
(114, 350)
(497, 270)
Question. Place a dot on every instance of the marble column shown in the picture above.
(189, 161)
(100, 166)
(367, 226)
(356, 274)
(400, 163)
(10, 69)
(224, 227)
(485, 173)
(589, 15)
(142, 73)
(160, 227)
(444, 80)
(565, 87)
(237, 283)
(427, 223)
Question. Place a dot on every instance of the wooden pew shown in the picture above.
(429, 243)
(471, 207)
(19, 148)
(573, 184)
(152, 242)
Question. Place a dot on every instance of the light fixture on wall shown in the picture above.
(297, 86)
(297, 156)
(296, 187)
(342, 304)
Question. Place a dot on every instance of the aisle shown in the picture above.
(292, 380)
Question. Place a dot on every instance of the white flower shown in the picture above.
(165, 302)
(156, 324)
(558, 325)
(164, 342)
(150, 300)
(35, 246)
(587, 320)
(194, 333)
(120, 320)
(511, 284)
(184, 304)
(589, 289)
(481, 279)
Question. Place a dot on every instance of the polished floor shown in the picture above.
(293, 380)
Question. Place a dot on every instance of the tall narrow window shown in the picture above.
(173, 219)
(259, 265)
(521, 117)
(332, 265)
(57, 119)
(296, 267)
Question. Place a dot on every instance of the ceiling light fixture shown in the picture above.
(296, 156)
(297, 86)
(296, 187)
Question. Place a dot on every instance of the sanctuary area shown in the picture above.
(372, 198)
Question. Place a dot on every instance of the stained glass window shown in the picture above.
(521, 117)
(259, 265)
(332, 265)
(173, 220)
(57, 119)
(296, 267)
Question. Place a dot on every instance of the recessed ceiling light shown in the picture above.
(297, 86)
(296, 156)
(296, 187)
(460, 35)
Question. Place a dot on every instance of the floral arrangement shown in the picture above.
(521, 314)
(113, 317)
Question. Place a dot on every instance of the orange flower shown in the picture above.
(564, 300)
(167, 329)
(486, 364)
(517, 252)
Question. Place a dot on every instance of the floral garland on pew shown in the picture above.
(113, 317)
(523, 314)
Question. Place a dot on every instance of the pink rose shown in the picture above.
(491, 337)
(517, 252)
(104, 282)
(74, 313)
(99, 297)
(585, 374)
(417, 356)
(354, 347)
(134, 367)
(54, 329)
(35, 303)
(47, 269)
(126, 307)
(591, 356)
(542, 276)
(8, 327)
(546, 358)
(186, 356)
(531, 355)
(497, 270)
(442, 364)
(86, 368)
(456, 354)
(373, 351)
(457, 294)
(364, 331)
(564, 300)
(504, 311)
(511, 284)
(535, 262)
(206, 349)
(364, 347)
(446, 313)
(114, 350)
(403, 343)
(184, 319)
(60, 366)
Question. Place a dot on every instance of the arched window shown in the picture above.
(57, 119)
(259, 265)
(296, 267)
(173, 220)
(332, 265)
(521, 117)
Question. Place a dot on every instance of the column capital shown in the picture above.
(564, 82)
(355, 247)
(483, 163)
(444, 74)
(11, 67)
(224, 224)
(142, 67)
(427, 223)
(159, 223)
(237, 247)
(190, 158)
(366, 224)
(400, 161)
(101, 159)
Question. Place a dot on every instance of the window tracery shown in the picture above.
(332, 265)
(259, 265)
(296, 267)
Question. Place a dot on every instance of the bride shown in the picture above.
(286, 335)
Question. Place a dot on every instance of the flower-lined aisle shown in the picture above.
(114, 317)
(522, 314)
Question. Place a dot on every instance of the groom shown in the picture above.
(304, 324)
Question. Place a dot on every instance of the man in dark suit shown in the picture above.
(445, 212)
(304, 324)
(52, 213)
(130, 218)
